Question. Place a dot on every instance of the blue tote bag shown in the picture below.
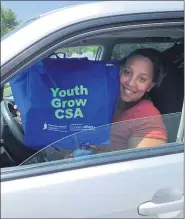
(59, 97)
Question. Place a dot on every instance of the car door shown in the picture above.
(147, 183)
(137, 183)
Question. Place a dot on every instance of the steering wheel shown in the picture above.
(9, 115)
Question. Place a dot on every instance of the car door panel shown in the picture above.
(112, 190)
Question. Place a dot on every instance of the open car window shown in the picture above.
(63, 97)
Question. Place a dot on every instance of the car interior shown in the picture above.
(168, 98)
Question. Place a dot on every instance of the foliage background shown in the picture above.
(8, 20)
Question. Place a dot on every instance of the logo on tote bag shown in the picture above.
(64, 107)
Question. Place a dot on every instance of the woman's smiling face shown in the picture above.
(136, 78)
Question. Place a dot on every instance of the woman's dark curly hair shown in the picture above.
(156, 57)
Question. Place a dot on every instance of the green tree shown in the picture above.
(8, 20)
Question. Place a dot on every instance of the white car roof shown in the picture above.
(52, 21)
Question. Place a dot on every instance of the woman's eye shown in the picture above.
(126, 72)
(142, 79)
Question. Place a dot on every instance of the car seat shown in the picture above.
(169, 96)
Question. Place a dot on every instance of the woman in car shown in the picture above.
(137, 122)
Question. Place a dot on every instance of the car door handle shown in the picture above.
(151, 208)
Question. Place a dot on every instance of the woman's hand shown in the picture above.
(18, 114)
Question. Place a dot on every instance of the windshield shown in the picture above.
(107, 138)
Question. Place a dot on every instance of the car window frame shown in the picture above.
(18, 172)
(45, 51)
(54, 166)
(16, 63)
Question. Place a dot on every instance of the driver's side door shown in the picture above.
(136, 184)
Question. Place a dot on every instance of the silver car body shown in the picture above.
(147, 183)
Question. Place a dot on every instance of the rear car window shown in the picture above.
(120, 51)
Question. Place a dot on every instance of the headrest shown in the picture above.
(168, 97)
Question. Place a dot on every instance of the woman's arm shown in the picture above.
(148, 132)
(140, 142)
